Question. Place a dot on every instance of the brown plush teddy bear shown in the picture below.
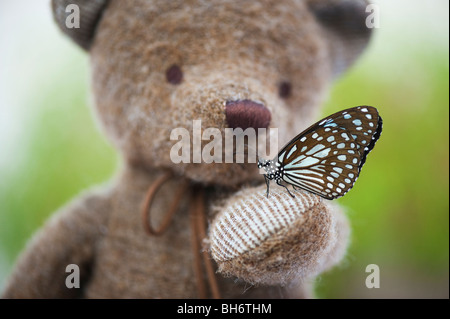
(158, 65)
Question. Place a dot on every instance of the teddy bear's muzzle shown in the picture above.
(247, 114)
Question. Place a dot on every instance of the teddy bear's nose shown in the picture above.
(246, 113)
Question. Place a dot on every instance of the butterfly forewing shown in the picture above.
(363, 123)
(327, 157)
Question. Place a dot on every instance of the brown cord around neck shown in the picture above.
(148, 202)
(199, 203)
(197, 224)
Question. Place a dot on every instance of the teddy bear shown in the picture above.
(165, 229)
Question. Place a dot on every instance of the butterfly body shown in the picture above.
(274, 172)
(327, 157)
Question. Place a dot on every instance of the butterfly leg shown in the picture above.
(279, 183)
(295, 188)
(267, 183)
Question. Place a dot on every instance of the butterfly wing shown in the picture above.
(327, 157)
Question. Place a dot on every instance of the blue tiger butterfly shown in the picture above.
(326, 158)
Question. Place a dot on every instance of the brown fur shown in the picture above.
(226, 51)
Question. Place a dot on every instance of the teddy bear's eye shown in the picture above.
(174, 75)
(285, 89)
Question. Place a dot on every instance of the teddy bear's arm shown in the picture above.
(278, 240)
(68, 238)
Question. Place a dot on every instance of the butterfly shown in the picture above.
(326, 158)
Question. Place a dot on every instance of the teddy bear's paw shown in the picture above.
(279, 239)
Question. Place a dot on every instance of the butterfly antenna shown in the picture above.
(248, 146)
(251, 147)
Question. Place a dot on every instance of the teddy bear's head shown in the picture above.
(158, 65)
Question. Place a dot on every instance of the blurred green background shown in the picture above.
(51, 147)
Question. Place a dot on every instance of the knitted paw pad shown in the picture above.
(272, 240)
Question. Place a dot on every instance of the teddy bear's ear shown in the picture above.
(344, 23)
(89, 11)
